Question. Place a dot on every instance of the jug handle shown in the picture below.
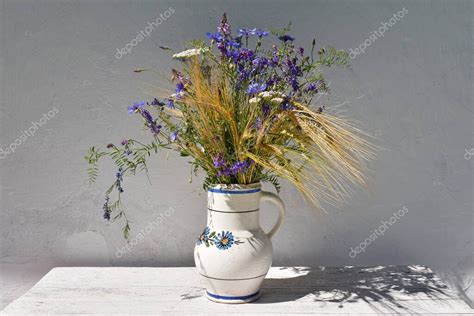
(275, 199)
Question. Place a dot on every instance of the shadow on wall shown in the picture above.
(385, 289)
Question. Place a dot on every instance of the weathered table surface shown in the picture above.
(286, 290)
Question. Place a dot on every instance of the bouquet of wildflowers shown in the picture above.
(243, 112)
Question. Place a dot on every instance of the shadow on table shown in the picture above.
(390, 286)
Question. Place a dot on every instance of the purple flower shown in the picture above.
(124, 142)
(179, 87)
(285, 38)
(174, 135)
(110, 145)
(218, 161)
(255, 88)
(128, 152)
(147, 116)
(136, 106)
(224, 27)
(301, 51)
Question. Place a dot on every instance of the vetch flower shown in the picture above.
(218, 161)
(106, 208)
(224, 240)
(119, 180)
(224, 27)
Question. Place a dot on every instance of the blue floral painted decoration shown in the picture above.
(222, 241)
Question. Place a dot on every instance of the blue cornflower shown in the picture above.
(224, 240)
(311, 87)
(285, 38)
(247, 32)
(174, 135)
(256, 88)
(157, 102)
(218, 37)
(260, 61)
(261, 33)
(294, 83)
(170, 103)
(179, 87)
(136, 106)
(233, 44)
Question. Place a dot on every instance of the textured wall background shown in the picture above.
(411, 89)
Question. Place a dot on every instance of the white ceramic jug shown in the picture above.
(233, 254)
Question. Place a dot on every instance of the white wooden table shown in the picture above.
(286, 290)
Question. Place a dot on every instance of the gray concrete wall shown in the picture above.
(411, 89)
